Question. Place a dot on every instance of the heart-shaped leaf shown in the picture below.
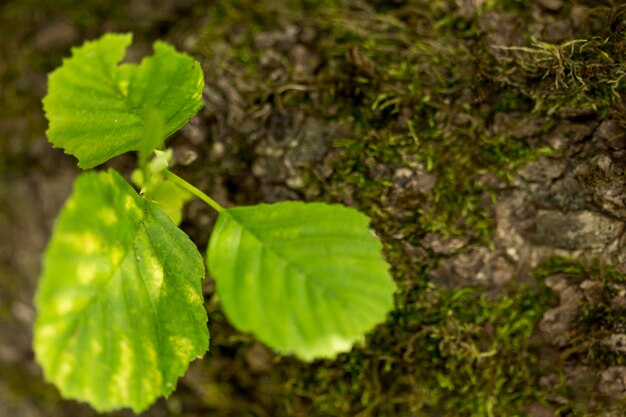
(120, 306)
(307, 279)
(97, 109)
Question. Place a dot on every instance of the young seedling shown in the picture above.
(120, 306)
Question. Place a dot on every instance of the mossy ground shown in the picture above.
(420, 86)
(426, 106)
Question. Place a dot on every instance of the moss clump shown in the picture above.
(582, 76)
(447, 353)
(601, 313)
(408, 86)
(599, 320)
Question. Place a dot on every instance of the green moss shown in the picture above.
(407, 88)
(589, 268)
(574, 77)
(599, 316)
(557, 264)
(416, 87)
(519, 6)
(448, 353)
(598, 321)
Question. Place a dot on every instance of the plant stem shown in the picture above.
(193, 190)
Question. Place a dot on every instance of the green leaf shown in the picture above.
(170, 197)
(98, 109)
(151, 136)
(120, 306)
(307, 279)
